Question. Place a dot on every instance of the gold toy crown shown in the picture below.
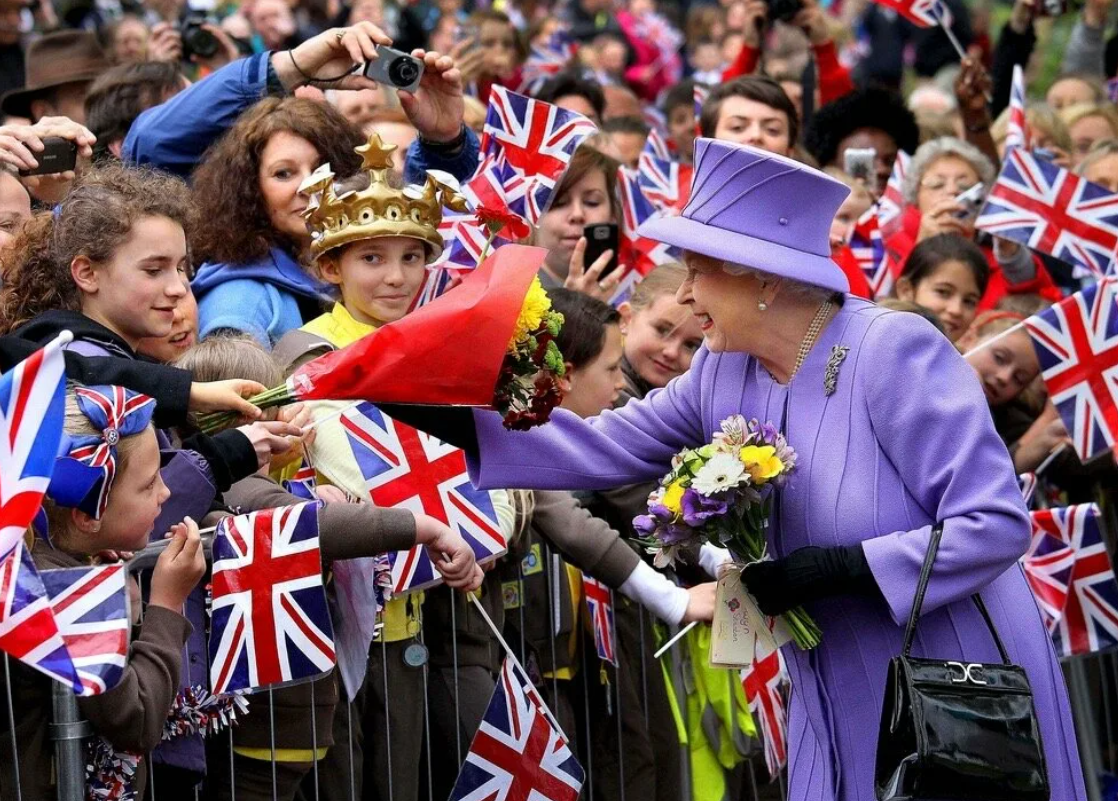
(379, 210)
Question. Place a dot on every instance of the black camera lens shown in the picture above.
(403, 71)
(196, 40)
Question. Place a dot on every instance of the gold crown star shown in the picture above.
(375, 154)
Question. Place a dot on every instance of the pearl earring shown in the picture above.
(762, 306)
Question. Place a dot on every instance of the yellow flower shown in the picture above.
(761, 462)
(536, 305)
(673, 496)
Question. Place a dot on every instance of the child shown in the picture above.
(857, 203)
(946, 274)
(108, 499)
(377, 263)
(346, 531)
(679, 111)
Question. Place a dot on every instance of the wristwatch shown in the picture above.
(450, 148)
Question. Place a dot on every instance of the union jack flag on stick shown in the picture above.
(666, 183)
(1017, 129)
(599, 603)
(891, 205)
(764, 684)
(1054, 211)
(547, 60)
(90, 605)
(519, 752)
(1089, 620)
(370, 455)
(1076, 342)
(270, 620)
(921, 13)
(640, 253)
(32, 405)
(868, 247)
(1048, 565)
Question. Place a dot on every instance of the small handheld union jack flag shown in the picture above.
(1054, 211)
(303, 482)
(922, 13)
(656, 145)
(1048, 564)
(764, 684)
(1076, 342)
(599, 603)
(890, 207)
(90, 605)
(1017, 129)
(519, 751)
(1089, 621)
(666, 183)
(701, 94)
(370, 455)
(868, 247)
(640, 252)
(546, 60)
(270, 621)
(32, 405)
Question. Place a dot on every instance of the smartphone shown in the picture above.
(599, 239)
(971, 201)
(58, 155)
(858, 163)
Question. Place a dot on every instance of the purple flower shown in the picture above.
(698, 509)
(651, 523)
(673, 534)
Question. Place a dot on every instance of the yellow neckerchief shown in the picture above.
(402, 620)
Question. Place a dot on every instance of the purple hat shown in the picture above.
(760, 210)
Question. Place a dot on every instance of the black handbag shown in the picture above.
(956, 730)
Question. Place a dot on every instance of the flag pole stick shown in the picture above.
(1050, 458)
(982, 346)
(679, 636)
(951, 37)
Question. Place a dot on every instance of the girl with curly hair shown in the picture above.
(250, 228)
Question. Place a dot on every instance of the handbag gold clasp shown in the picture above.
(966, 673)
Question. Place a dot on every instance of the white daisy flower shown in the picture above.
(722, 472)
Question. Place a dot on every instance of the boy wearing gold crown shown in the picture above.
(373, 241)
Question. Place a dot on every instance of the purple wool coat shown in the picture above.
(905, 440)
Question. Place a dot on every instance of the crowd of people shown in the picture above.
(181, 250)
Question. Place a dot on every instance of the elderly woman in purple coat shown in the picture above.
(893, 436)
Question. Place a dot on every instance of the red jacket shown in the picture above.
(834, 79)
(900, 245)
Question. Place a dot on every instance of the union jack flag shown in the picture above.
(519, 752)
(700, 95)
(497, 184)
(1053, 210)
(666, 183)
(891, 205)
(764, 685)
(1048, 565)
(1076, 342)
(656, 145)
(270, 621)
(536, 138)
(640, 253)
(868, 247)
(1017, 130)
(406, 468)
(1090, 616)
(32, 404)
(922, 13)
(90, 605)
(303, 483)
(546, 60)
(599, 603)
(28, 630)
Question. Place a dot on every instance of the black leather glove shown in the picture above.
(808, 574)
(453, 424)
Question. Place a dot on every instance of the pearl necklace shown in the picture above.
(812, 334)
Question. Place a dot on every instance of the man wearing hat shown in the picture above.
(893, 435)
(60, 68)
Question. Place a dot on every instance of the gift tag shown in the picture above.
(736, 622)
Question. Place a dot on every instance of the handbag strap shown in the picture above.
(922, 588)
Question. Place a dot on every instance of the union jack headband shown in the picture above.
(86, 465)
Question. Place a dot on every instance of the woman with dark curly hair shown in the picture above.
(251, 228)
(876, 118)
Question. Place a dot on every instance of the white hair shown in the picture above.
(933, 98)
(930, 152)
(790, 286)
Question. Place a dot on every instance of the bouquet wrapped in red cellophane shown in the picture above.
(489, 343)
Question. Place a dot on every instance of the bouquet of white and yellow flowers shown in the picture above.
(722, 493)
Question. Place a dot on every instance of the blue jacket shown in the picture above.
(260, 298)
(174, 135)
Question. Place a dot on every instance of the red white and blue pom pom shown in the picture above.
(198, 711)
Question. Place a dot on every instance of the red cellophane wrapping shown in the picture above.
(448, 352)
